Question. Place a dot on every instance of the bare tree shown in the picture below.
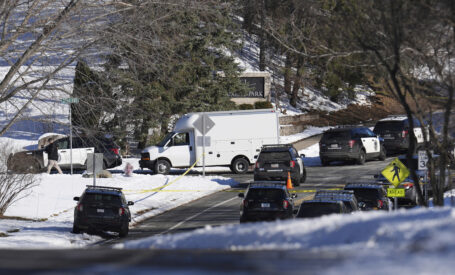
(39, 40)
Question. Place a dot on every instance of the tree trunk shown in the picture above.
(287, 74)
(262, 39)
(297, 83)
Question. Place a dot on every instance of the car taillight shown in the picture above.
(257, 165)
(404, 133)
(285, 204)
(380, 203)
(292, 164)
(115, 151)
(408, 185)
(351, 143)
(80, 207)
(245, 203)
(121, 211)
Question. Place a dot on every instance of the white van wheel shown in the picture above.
(240, 166)
(162, 167)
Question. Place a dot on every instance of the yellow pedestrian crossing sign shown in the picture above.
(396, 172)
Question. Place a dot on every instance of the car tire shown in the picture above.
(325, 162)
(162, 167)
(76, 229)
(124, 230)
(362, 157)
(240, 166)
(382, 154)
(303, 177)
(296, 181)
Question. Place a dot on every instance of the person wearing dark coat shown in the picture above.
(52, 156)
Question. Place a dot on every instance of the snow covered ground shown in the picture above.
(50, 205)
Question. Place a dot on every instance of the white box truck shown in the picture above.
(232, 139)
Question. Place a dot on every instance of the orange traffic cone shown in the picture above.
(289, 181)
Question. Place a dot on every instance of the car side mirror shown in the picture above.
(130, 203)
(302, 156)
(76, 198)
(361, 205)
(241, 195)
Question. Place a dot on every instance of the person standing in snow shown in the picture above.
(52, 156)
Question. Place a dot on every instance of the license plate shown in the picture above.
(265, 205)
(388, 136)
(100, 210)
(274, 165)
(334, 145)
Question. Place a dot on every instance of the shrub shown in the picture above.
(246, 107)
(263, 105)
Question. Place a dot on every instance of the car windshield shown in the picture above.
(382, 126)
(265, 194)
(106, 198)
(366, 194)
(336, 135)
(165, 139)
(310, 210)
(270, 156)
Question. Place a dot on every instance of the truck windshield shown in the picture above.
(165, 139)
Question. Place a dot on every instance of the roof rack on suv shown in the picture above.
(371, 184)
(103, 187)
(287, 145)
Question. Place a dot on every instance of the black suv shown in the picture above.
(346, 196)
(321, 206)
(373, 195)
(395, 132)
(266, 201)
(350, 143)
(276, 160)
(102, 208)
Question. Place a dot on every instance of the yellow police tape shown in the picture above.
(291, 191)
(159, 189)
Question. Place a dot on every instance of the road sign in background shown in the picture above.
(94, 164)
(70, 100)
(203, 124)
(396, 172)
(423, 160)
(395, 192)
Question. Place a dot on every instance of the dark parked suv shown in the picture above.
(350, 143)
(374, 196)
(395, 132)
(346, 196)
(321, 206)
(266, 201)
(276, 160)
(102, 208)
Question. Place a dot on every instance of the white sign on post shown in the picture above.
(423, 160)
(203, 124)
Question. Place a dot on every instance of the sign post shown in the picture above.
(203, 124)
(70, 101)
(423, 162)
(396, 172)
